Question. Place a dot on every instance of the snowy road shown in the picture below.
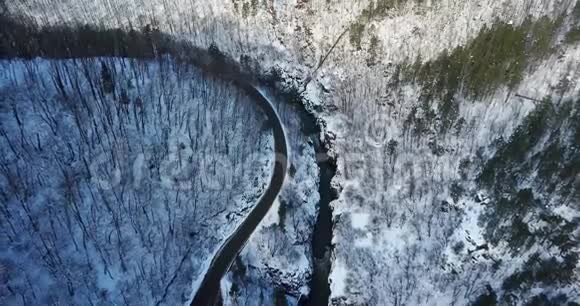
(207, 292)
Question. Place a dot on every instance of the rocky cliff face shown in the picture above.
(453, 125)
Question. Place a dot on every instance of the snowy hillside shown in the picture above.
(120, 178)
(453, 125)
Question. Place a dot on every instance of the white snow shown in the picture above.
(359, 220)
(272, 217)
(410, 260)
(338, 277)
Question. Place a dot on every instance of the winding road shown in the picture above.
(211, 61)
(208, 291)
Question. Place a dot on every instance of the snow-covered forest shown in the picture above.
(120, 178)
(454, 125)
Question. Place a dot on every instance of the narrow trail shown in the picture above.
(208, 291)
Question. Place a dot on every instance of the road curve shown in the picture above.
(210, 61)
(208, 291)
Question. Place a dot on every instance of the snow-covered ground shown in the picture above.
(278, 255)
(398, 219)
(406, 247)
(119, 189)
